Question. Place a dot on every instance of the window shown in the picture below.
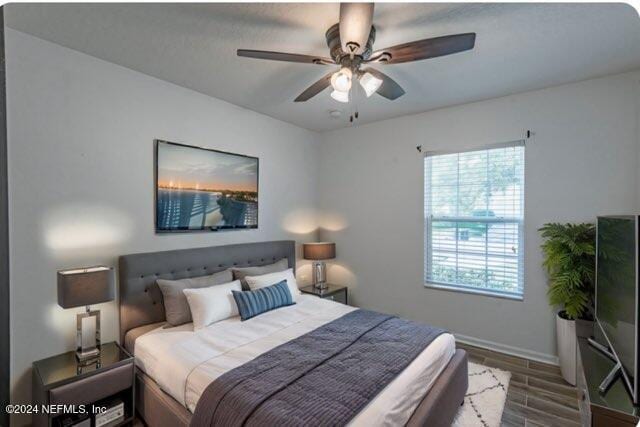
(474, 210)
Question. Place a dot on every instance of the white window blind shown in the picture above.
(474, 211)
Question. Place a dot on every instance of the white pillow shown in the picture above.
(257, 282)
(212, 304)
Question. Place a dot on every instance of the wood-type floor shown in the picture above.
(538, 395)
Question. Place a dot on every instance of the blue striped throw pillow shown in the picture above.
(252, 303)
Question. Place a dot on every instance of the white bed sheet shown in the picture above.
(184, 362)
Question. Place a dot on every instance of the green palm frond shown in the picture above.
(569, 260)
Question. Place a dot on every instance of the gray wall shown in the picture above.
(582, 161)
(4, 243)
(81, 134)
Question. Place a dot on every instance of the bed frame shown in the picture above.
(141, 306)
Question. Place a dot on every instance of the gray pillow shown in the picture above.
(176, 306)
(242, 272)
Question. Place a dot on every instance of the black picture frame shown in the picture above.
(159, 229)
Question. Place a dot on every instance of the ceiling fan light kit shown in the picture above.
(340, 96)
(370, 84)
(341, 79)
(350, 43)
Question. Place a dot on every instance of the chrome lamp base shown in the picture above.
(319, 271)
(87, 347)
(88, 356)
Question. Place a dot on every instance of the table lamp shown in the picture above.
(82, 287)
(318, 252)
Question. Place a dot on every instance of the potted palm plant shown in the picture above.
(569, 259)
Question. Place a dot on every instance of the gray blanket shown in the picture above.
(322, 378)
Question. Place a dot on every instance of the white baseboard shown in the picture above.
(507, 349)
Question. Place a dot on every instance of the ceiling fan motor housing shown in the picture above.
(335, 47)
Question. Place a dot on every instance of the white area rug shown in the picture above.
(485, 398)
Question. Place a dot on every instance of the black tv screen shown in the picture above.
(616, 291)
(200, 189)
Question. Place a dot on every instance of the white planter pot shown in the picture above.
(567, 348)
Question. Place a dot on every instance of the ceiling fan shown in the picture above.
(350, 44)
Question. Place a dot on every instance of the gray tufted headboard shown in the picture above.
(140, 297)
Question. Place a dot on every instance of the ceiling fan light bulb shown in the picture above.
(370, 83)
(341, 80)
(340, 96)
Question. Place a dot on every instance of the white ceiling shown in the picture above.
(519, 47)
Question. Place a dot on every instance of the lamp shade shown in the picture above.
(319, 251)
(85, 286)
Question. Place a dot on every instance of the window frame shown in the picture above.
(519, 221)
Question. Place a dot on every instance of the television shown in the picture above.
(616, 306)
(201, 189)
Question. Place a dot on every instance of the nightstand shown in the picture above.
(61, 380)
(335, 293)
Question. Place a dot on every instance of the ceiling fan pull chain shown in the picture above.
(355, 98)
(355, 90)
(352, 106)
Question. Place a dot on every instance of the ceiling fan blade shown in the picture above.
(389, 89)
(355, 26)
(281, 56)
(424, 49)
(315, 88)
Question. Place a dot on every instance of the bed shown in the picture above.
(176, 364)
